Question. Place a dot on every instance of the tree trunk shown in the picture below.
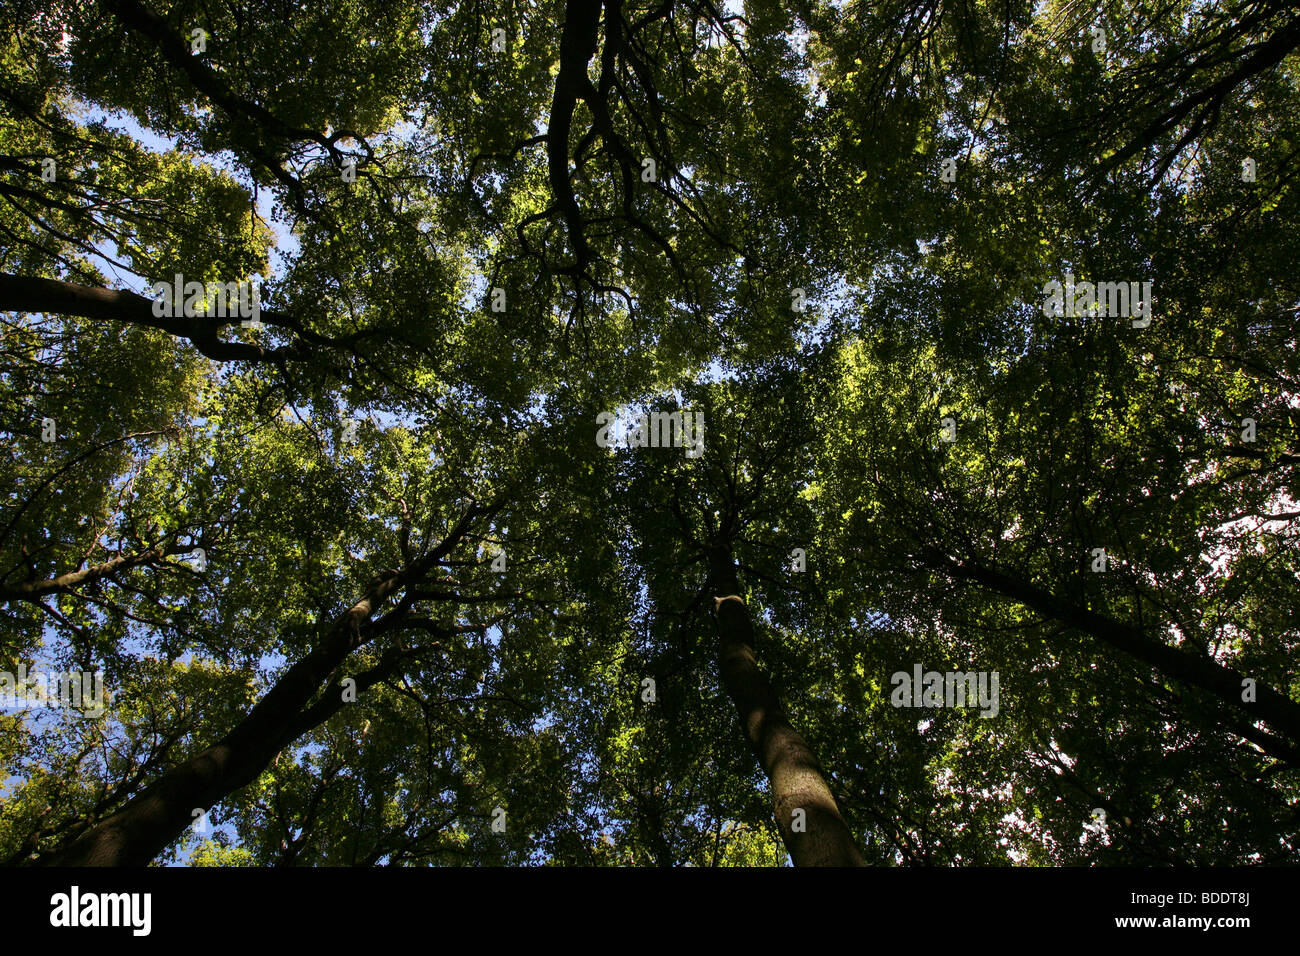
(818, 836)
(1199, 671)
(142, 829)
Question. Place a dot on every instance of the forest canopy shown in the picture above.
(605, 432)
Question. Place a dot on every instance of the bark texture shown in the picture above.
(796, 778)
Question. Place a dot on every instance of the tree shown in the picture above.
(914, 339)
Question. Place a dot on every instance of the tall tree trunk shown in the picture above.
(141, 830)
(818, 836)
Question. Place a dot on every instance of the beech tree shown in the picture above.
(585, 432)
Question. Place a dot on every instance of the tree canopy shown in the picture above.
(603, 432)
